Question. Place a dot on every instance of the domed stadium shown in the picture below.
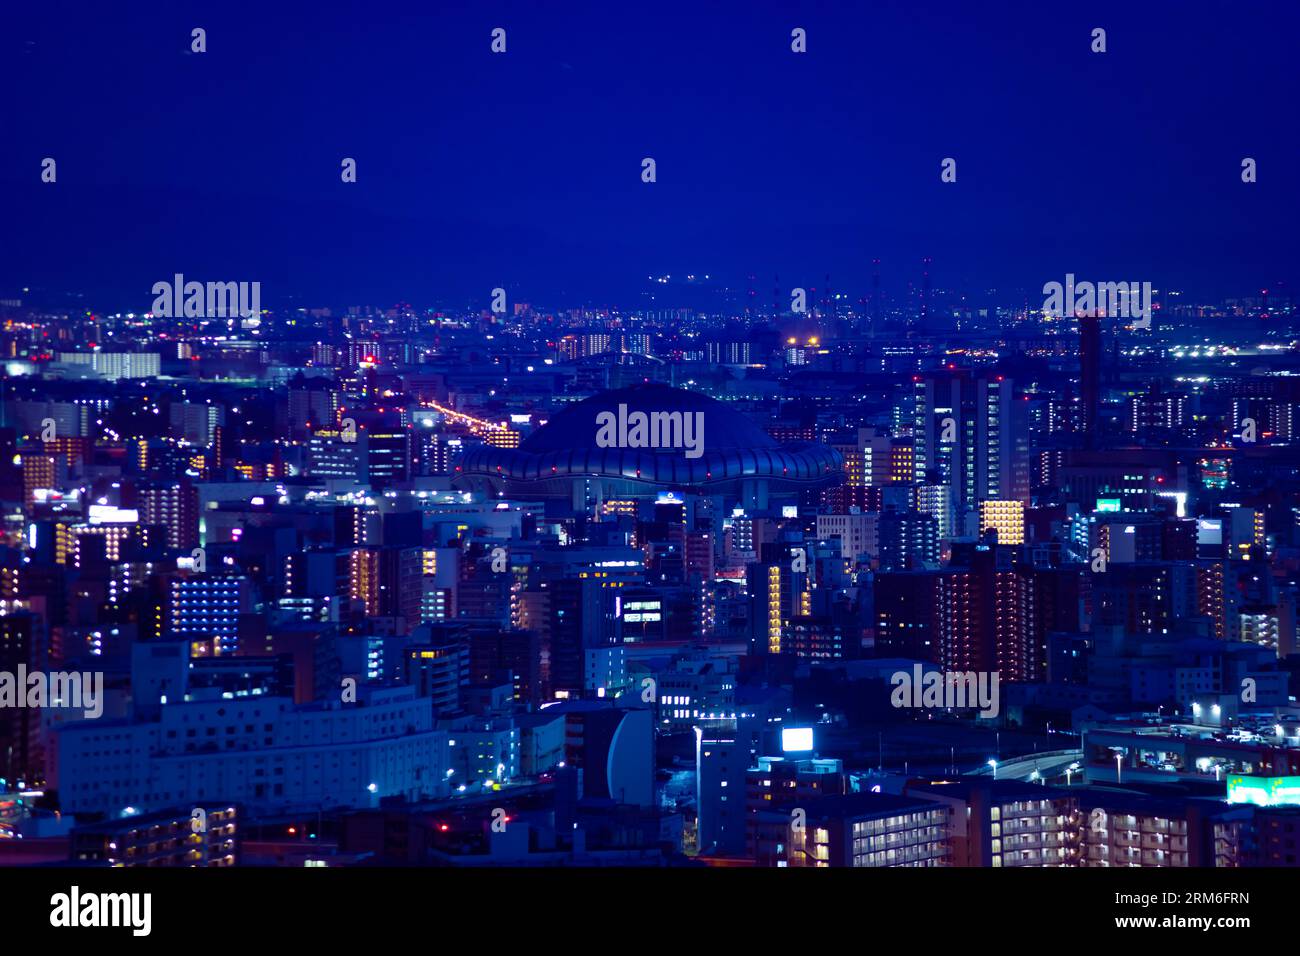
(647, 439)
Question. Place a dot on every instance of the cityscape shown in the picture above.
(685, 555)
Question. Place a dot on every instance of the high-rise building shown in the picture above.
(40, 471)
(937, 500)
(779, 588)
(908, 540)
(971, 434)
(18, 725)
(1090, 376)
(206, 609)
(1006, 518)
(582, 625)
(385, 455)
(175, 507)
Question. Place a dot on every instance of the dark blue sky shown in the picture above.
(523, 170)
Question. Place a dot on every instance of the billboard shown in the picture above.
(1264, 791)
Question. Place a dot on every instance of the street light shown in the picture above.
(994, 765)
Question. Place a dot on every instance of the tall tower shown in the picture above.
(1090, 376)
(925, 291)
(875, 295)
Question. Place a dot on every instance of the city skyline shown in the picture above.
(586, 444)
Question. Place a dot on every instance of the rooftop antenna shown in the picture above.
(925, 290)
(875, 295)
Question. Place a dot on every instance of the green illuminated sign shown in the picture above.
(1264, 791)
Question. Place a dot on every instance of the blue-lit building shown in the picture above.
(208, 608)
(690, 441)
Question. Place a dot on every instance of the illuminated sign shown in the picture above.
(1264, 791)
(107, 514)
(43, 496)
(796, 739)
(1109, 504)
(1180, 497)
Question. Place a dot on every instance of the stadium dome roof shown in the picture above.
(731, 449)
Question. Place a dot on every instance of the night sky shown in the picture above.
(523, 170)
